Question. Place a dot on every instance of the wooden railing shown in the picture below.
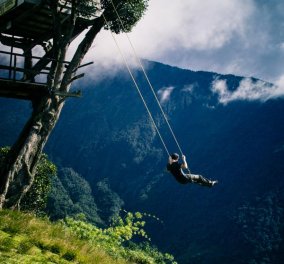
(15, 69)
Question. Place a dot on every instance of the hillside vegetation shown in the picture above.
(107, 139)
(27, 239)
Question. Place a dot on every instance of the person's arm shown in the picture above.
(169, 163)
(184, 163)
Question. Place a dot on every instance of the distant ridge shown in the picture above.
(107, 134)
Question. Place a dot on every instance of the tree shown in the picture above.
(36, 198)
(24, 155)
(71, 195)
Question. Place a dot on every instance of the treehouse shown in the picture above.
(25, 24)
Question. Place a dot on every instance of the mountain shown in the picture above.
(71, 195)
(106, 136)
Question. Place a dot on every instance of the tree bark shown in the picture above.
(22, 160)
(24, 155)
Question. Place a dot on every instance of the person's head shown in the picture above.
(175, 156)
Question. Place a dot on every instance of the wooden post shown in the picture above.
(15, 67)
(11, 55)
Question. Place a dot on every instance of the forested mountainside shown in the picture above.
(108, 139)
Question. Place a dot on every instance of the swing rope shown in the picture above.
(138, 90)
(148, 80)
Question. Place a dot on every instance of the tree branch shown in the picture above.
(81, 51)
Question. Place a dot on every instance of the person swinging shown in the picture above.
(176, 169)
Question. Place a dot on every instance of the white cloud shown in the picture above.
(188, 88)
(241, 37)
(108, 55)
(171, 27)
(279, 91)
(238, 37)
(165, 93)
(248, 90)
(220, 87)
(281, 45)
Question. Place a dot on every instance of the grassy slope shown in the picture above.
(26, 239)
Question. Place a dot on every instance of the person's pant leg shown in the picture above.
(195, 178)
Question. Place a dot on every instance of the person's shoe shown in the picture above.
(213, 183)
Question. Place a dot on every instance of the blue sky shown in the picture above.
(241, 37)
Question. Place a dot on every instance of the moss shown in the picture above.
(25, 239)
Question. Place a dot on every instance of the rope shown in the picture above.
(148, 80)
(138, 90)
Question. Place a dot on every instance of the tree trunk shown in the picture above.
(18, 175)
(24, 155)
(21, 163)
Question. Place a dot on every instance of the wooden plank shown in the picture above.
(31, 24)
(33, 57)
(17, 69)
(43, 19)
(45, 11)
(32, 29)
(22, 90)
(76, 94)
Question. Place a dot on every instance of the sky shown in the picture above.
(240, 37)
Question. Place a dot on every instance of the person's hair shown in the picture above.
(175, 156)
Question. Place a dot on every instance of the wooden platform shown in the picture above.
(33, 19)
(24, 24)
(22, 90)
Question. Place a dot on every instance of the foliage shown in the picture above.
(130, 12)
(71, 195)
(107, 200)
(87, 8)
(261, 224)
(36, 198)
(26, 239)
(116, 239)
(241, 145)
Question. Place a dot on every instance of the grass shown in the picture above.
(25, 239)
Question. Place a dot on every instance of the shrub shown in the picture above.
(117, 238)
(36, 198)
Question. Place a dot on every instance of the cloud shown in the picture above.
(241, 37)
(201, 25)
(280, 86)
(165, 93)
(238, 37)
(188, 88)
(281, 46)
(248, 90)
(172, 28)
